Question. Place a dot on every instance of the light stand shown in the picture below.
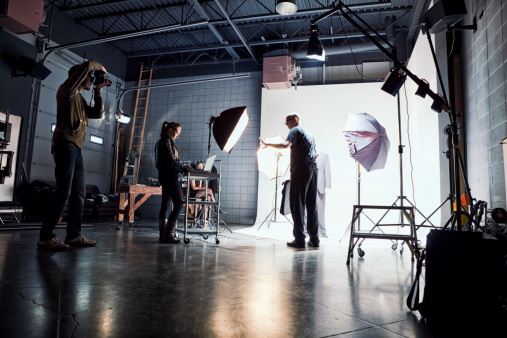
(227, 128)
(120, 118)
(456, 165)
(439, 102)
(210, 124)
(272, 214)
(402, 197)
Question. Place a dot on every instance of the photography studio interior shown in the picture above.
(253, 168)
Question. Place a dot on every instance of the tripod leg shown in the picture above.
(269, 215)
(220, 219)
(426, 219)
(285, 217)
(450, 221)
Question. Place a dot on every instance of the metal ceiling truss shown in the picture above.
(246, 36)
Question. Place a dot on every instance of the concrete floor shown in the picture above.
(129, 285)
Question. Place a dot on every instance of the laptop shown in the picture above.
(209, 164)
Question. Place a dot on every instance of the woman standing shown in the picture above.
(168, 165)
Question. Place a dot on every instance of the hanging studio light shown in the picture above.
(315, 48)
(286, 7)
(122, 117)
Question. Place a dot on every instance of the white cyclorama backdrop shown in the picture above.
(324, 112)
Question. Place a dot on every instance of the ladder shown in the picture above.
(139, 119)
(130, 169)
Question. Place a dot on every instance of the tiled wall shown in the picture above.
(484, 53)
(191, 105)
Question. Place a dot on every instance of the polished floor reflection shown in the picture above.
(129, 285)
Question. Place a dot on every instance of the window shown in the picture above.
(96, 139)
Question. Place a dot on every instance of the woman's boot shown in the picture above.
(168, 232)
(161, 225)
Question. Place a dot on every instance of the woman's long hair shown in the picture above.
(169, 125)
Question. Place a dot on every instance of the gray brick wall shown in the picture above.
(484, 53)
(191, 105)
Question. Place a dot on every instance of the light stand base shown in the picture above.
(272, 214)
(221, 220)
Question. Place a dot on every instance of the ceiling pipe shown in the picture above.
(179, 83)
(121, 36)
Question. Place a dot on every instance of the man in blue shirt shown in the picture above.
(303, 186)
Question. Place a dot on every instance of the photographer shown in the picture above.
(72, 117)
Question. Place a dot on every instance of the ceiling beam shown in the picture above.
(238, 44)
(125, 35)
(238, 33)
(202, 12)
(373, 8)
(110, 3)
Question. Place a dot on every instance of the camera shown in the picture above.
(99, 77)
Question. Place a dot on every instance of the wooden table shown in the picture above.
(128, 206)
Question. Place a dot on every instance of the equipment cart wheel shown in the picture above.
(186, 240)
(360, 252)
(205, 236)
(217, 241)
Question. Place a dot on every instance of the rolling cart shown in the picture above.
(211, 225)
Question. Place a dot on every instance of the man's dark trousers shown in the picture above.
(70, 185)
(303, 195)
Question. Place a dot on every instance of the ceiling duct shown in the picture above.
(279, 72)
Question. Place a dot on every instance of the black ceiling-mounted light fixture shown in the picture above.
(286, 7)
(315, 48)
(444, 15)
(394, 80)
(423, 88)
(30, 67)
(227, 127)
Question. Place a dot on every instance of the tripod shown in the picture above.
(401, 198)
(398, 204)
(272, 214)
(456, 165)
(473, 217)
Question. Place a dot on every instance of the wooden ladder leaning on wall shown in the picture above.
(139, 118)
